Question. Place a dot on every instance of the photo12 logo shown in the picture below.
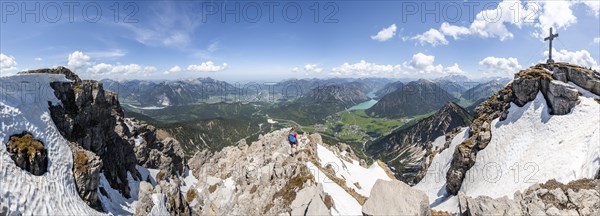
(271, 11)
(53, 12)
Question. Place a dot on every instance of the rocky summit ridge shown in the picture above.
(549, 79)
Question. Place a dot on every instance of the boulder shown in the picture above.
(395, 198)
(28, 153)
(485, 205)
(525, 90)
(561, 97)
(309, 201)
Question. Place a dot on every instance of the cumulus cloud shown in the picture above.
(313, 68)
(7, 62)
(454, 31)
(78, 60)
(385, 33)
(109, 69)
(174, 69)
(493, 22)
(364, 68)
(496, 65)
(208, 66)
(593, 6)
(454, 69)
(581, 57)
(432, 37)
(555, 14)
(419, 64)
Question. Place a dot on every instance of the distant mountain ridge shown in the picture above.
(415, 98)
(408, 148)
(167, 93)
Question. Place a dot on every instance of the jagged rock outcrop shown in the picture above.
(102, 142)
(155, 149)
(561, 98)
(583, 77)
(169, 190)
(479, 136)
(28, 153)
(93, 118)
(86, 172)
(580, 197)
(396, 198)
(145, 203)
(408, 149)
(255, 179)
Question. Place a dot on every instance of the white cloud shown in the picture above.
(496, 65)
(556, 14)
(418, 65)
(109, 69)
(7, 62)
(593, 6)
(454, 69)
(38, 59)
(364, 68)
(492, 23)
(421, 63)
(433, 37)
(597, 40)
(454, 31)
(174, 69)
(385, 33)
(78, 60)
(208, 66)
(313, 68)
(295, 69)
(581, 58)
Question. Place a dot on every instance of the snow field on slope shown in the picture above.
(24, 107)
(434, 182)
(532, 146)
(343, 202)
(352, 172)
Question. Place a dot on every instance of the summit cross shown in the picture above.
(550, 38)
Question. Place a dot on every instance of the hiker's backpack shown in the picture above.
(291, 137)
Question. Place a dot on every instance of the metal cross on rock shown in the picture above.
(550, 38)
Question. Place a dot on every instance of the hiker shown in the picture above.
(293, 139)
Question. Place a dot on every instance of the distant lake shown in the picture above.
(364, 105)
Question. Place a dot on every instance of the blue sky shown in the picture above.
(183, 39)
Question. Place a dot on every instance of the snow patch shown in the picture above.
(532, 146)
(344, 203)
(359, 178)
(434, 182)
(24, 106)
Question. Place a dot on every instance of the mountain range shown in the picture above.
(531, 148)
